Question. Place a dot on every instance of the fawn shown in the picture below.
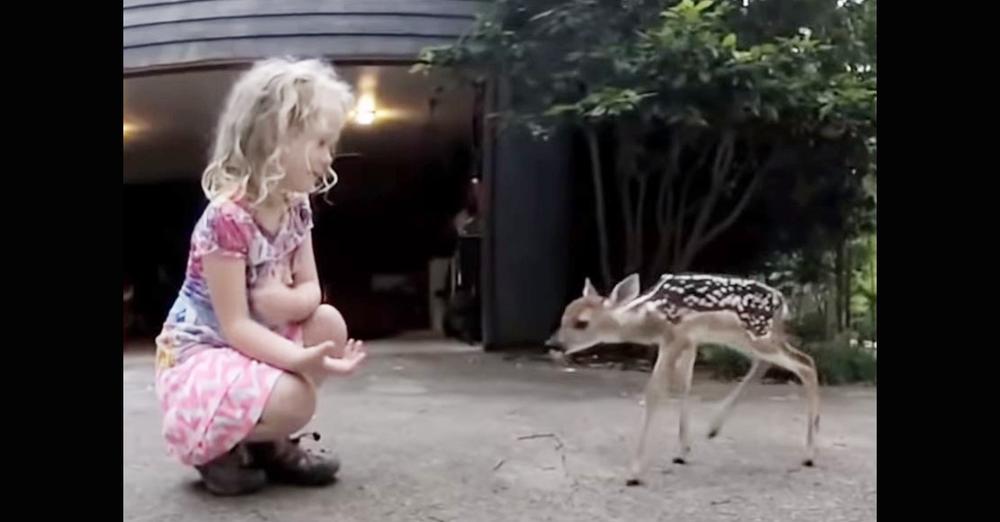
(678, 314)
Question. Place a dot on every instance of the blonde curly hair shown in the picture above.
(275, 99)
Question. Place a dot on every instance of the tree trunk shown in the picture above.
(872, 304)
(842, 292)
(720, 167)
(602, 227)
(631, 200)
(831, 305)
(640, 216)
(664, 227)
(848, 283)
(625, 202)
(664, 212)
(722, 173)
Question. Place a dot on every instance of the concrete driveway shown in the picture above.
(433, 431)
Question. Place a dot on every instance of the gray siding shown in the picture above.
(168, 33)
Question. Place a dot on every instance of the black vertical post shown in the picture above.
(525, 235)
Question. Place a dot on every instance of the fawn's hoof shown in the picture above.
(712, 434)
(679, 460)
(633, 482)
(808, 463)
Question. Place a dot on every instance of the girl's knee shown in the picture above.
(331, 317)
(326, 324)
(291, 406)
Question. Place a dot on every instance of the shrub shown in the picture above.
(836, 361)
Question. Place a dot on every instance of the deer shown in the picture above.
(678, 314)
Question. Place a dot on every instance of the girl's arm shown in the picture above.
(305, 280)
(226, 277)
(289, 298)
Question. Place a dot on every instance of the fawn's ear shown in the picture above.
(589, 290)
(626, 290)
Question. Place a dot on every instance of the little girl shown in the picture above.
(233, 377)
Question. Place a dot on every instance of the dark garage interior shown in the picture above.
(405, 206)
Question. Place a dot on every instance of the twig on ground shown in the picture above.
(559, 442)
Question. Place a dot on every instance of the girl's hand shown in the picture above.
(354, 354)
(311, 361)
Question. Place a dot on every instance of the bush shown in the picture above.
(810, 327)
(839, 363)
(724, 363)
(865, 328)
(836, 362)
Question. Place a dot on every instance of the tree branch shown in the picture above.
(734, 213)
(625, 202)
(721, 166)
(773, 161)
(665, 207)
(602, 233)
(700, 162)
(662, 210)
(639, 215)
(664, 228)
(626, 171)
(682, 209)
(671, 171)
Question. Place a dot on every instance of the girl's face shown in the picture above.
(306, 160)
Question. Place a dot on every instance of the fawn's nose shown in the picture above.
(553, 342)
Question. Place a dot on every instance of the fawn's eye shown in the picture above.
(580, 324)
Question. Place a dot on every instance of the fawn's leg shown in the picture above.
(685, 367)
(801, 364)
(757, 369)
(810, 380)
(656, 391)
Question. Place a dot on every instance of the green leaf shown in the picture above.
(541, 15)
(557, 110)
(771, 113)
(729, 40)
(696, 120)
(704, 4)
(825, 111)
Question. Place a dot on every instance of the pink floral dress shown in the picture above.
(212, 395)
